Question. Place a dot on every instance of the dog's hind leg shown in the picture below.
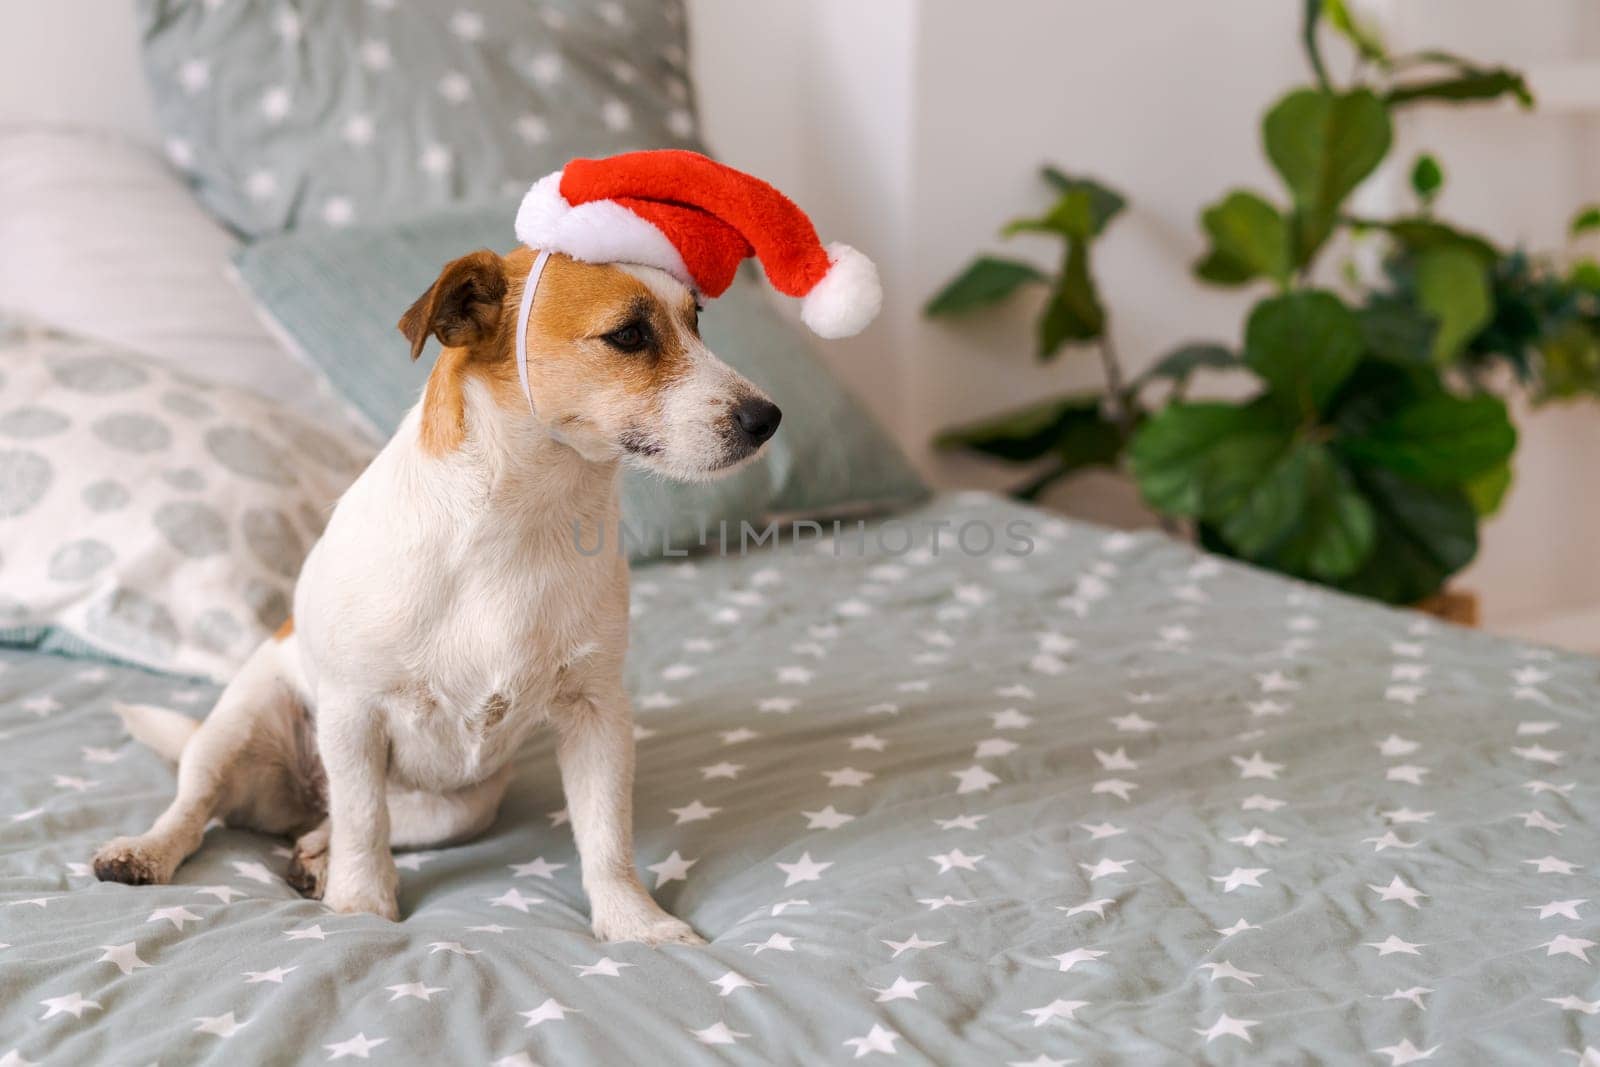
(416, 820)
(218, 769)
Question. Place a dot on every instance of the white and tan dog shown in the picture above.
(448, 610)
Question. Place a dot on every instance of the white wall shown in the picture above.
(920, 154)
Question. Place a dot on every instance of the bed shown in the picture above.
(1111, 801)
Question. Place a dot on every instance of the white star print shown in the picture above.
(731, 981)
(946, 901)
(717, 1034)
(1574, 1003)
(1395, 745)
(1103, 830)
(419, 990)
(847, 777)
(878, 1039)
(1406, 772)
(360, 1047)
(1240, 876)
(1256, 767)
(901, 989)
(223, 893)
(1237, 928)
(974, 779)
(721, 770)
(1414, 995)
(672, 869)
(826, 819)
(92, 754)
(1401, 816)
(1227, 1026)
(779, 705)
(1398, 890)
(1132, 723)
(795, 675)
(338, 211)
(956, 858)
(1256, 836)
(1552, 865)
(176, 916)
(1538, 786)
(455, 87)
(1096, 906)
(1567, 909)
(777, 942)
(693, 812)
(1040, 1060)
(1267, 707)
(1225, 969)
(72, 1004)
(1104, 867)
(1539, 754)
(1562, 945)
(605, 967)
(805, 869)
(126, 957)
(539, 867)
(224, 1025)
(1011, 719)
(255, 872)
(960, 822)
(915, 943)
(1406, 1052)
(513, 898)
(1056, 1009)
(1538, 820)
(275, 976)
(1258, 802)
(550, 1010)
(994, 746)
(313, 932)
(455, 948)
(1117, 787)
(1069, 960)
(1391, 945)
(14, 1059)
(1404, 694)
(1276, 682)
(1115, 761)
(656, 701)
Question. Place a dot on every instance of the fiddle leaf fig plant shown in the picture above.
(1370, 442)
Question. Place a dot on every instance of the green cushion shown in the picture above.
(306, 112)
(337, 295)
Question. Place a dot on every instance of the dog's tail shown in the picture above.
(162, 730)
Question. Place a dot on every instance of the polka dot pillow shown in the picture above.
(290, 113)
(149, 517)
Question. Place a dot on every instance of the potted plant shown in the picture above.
(1375, 438)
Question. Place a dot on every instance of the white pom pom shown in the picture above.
(847, 298)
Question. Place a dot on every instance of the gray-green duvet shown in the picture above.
(1108, 802)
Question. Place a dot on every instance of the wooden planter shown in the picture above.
(1459, 606)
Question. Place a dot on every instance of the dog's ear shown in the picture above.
(462, 307)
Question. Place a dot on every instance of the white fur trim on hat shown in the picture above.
(601, 231)
(847, 298)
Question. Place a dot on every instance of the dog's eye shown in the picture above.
(630, 338)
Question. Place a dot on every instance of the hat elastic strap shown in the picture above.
(529, 287)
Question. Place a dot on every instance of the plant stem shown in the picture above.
(1121, 412)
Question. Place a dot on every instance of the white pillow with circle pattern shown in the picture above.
(148, 516)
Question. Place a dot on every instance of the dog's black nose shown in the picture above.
(758, 418)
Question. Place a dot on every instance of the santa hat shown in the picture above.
(697, 220)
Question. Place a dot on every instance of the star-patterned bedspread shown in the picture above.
(1113, 802)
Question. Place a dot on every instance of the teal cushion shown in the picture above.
(337, 295)
(331, 112)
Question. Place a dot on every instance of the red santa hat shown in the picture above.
(697, 219)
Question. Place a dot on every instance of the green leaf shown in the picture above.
(1074, 312)
(1427, 178)
(1336, 528)
(1190, 459)
(1365, 38)
(1027, 433)
(987, 280)
(1324, 144)
(1424, 534)
(1304, 344)
(1443, 440)
(1468, 84)
(1570, 360)
(1176, 366)
(1586, 275)
(1249, 239)
(1585, 220)
(1105, 203)
(1263, 510)
(1453, 287)
(1487, 491)
(1072, 216)
(1420, 234)
(1396, 331)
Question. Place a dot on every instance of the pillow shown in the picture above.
(339, 295)
(303, 111)
(147, 516)
(102, 239)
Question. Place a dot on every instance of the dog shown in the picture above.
(448, 608)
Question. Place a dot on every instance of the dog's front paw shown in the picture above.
(363, 900)
(134, 861)
(652, 928)
(308, 868)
